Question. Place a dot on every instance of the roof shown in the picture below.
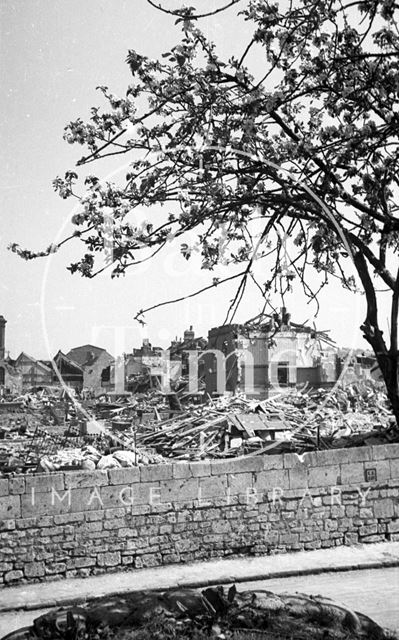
(87, 354)
(60, 355)
(39, 363)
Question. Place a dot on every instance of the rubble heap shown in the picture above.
(49, 430)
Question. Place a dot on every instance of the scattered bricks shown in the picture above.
(44, 483)
(178, 491)
(324, 476)
(13, 576)
(10, 507)
(34, 569)
(385, 451)
(240, 484)
(124, 476)
(16, 485)
(181, 470)
(270, 480)
(79, 479)
(383, 508)
(155, 472)
(352, 473)
(212, 487)
(200, 469)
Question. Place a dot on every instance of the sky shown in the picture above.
(53, 55)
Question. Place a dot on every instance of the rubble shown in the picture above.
(50, 429)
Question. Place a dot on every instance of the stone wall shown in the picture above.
(86, 523)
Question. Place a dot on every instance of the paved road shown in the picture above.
(374, 592)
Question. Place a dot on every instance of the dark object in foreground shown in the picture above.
(183, 614)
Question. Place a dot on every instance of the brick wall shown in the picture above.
(86, 523)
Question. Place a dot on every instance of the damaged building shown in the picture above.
(10, 374)
(267, 353)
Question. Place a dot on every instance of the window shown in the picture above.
(2, 376)
(283, 373)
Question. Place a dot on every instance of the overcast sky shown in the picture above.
(53, 55)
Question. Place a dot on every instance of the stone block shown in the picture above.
(124, 476)
(352, 473)
(181, 490)
(240, 484)
(78, 479)
(16, 485)
(269, 480)
(393, 527)
(368, 530)
(34, 569)
(214, 487)
(10, 507)
(385, 451)
(298, 477)
(13, 576)
(4, 487)
(291, 460)
(146, 495)
(394, 464)
(327, 476)
(181, 470)
(109, 559)
(343, 456)
(155, 472)
(382, 467)
(236, 465)
(69, 518)
(200, 469)
(44, 483)
(272, 462)
(384, 508)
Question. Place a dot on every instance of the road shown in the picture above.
(374, 592)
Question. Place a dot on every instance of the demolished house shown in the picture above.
(269, 353)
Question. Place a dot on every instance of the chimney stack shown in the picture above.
(3, 323)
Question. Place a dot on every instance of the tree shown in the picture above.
(309, 147)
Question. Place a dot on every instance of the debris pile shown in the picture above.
(50, 429)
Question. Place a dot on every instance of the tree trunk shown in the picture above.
(387, 359)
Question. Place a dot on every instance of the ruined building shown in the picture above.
(10, 375)
(266, 354)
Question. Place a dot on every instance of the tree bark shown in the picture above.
(387, 359)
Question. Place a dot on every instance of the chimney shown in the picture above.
(3, 323)
(189, 334)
